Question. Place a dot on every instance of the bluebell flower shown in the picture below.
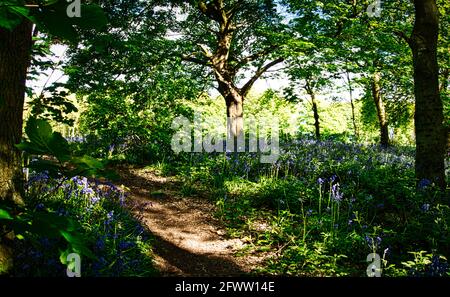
(110, 217)
(425, 207)
(110, 214)
(378, 240)
(438, 267)
(123, 245)
(86, 190)
(100, 244)
(335, 193)
(320, 181)
(40, 206)
(62, 212)
(139, 229)
(424, 183)
(122, 198)
(333, 178)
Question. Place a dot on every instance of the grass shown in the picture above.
(326, 205)
(319, 211)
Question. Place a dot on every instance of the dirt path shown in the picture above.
(189, 240)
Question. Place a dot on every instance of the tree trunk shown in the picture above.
(15, 50)
(430, 134)
(309, 89)
(316, 116)
(235, 114)
(381, 112)
(350, 90)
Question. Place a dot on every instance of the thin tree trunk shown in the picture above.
(430, 132)
(15, 50)
(316, 116)
(381, 112)
(350, 90)
(309, 89)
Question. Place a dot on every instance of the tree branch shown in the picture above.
(195, 60)
(403, 36)
(205, 50)
(246, 88)
(253, 57)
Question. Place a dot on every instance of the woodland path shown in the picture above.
(189, 241)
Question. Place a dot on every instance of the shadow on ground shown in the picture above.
(188, 240)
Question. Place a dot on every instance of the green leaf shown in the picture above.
(78, 244)
(92, 17)
(59, 147)
(38, 131)
(19, 10)
(89, 162)
(5, 215)
(8, 20)
(63, 256)
(30, 148)
(53, 19)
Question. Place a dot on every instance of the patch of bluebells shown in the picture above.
(373, 243)
(103, 210)
(437, 268)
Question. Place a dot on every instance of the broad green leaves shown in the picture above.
(51, 16)
(54, 20)
(59, 160)
(43, 141)
(33, 224)
(5, 215)
(12, 13)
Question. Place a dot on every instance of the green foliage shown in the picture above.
(51, 16)
(67, 216)
(324, 206)
(42, 141)
(31, 225)
(12, 12)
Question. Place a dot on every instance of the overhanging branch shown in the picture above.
(253, 57)
(246, 88)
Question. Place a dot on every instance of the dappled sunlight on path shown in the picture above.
(189, 241)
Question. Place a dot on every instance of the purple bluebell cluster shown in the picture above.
(103, 211)
(336, 193)
(373, 243)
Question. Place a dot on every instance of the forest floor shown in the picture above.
(188, 239)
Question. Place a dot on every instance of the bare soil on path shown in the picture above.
(189, 241)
